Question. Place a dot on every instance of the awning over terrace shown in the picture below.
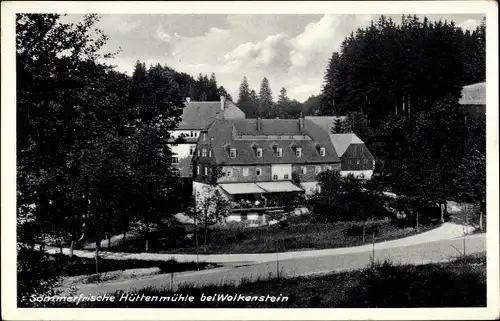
(280, 186)
(260, 187)
(242, 188)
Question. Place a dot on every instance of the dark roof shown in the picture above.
(474, 94)
(325, 122)
(198, 115)
(223, 136)
(342, 141)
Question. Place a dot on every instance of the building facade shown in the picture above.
(196, 116)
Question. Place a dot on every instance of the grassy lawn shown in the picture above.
(460, 283)
(293, 235)
(85, 266)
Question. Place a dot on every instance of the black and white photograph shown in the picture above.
(204, 155)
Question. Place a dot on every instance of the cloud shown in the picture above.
(469, 24)
(292, 51)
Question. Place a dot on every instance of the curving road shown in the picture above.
(316, 262)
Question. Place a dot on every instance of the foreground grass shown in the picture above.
(290, 236)
(461, 283)
(73, 266)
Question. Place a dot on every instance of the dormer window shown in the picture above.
(322, 152)
(232, 153)
(298, 152)
(204, 152)
(279, 152)
(259, 152)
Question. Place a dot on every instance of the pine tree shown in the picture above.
(245, 102)
(331, 85)
(283, 98)
(266, 104)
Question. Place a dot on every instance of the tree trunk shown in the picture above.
(442, 207)
(364, 231)
(205, 233)
(196, 243)
(417, 223)
(96, 259)
(71, 247)
(146, 236)
(481, 221)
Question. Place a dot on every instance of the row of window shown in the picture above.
(228, 171)
(204, 152)
(359, 161)
(278, 152)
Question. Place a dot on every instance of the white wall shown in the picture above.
(281, 170)
(367, 174)
(182, 150)
(309, 187)
(187, 133)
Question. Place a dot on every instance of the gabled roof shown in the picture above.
(222, 134)
(342, 141)
(325, 122)
(474, 94)
(197, 115)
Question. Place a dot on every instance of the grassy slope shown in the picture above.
(298, 235)
(461, 283)
(85, 266)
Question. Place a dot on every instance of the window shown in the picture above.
(279, 152)
(298, 152)
(204, 136)
(191, 150)
(175, 171)
(204, 152)
(318, 188)
(322, 151)
(229, 172)
(175, 160)
(259, 152)
(258, 171)
(206, 171)
(317, 169)
(191, 134)
(357, 161)
(328, 168)
(232, 153)
(245, 171)
(198, 152)
(198, 170)
(285, 176)
(303, 170)
(275, 177)
(210, 153)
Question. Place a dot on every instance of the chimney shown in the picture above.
(222, 102)
(258, 124)
(188, 99)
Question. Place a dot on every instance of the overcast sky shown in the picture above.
(290, 50)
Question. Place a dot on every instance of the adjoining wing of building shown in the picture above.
(356, 158)
(196, 116)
